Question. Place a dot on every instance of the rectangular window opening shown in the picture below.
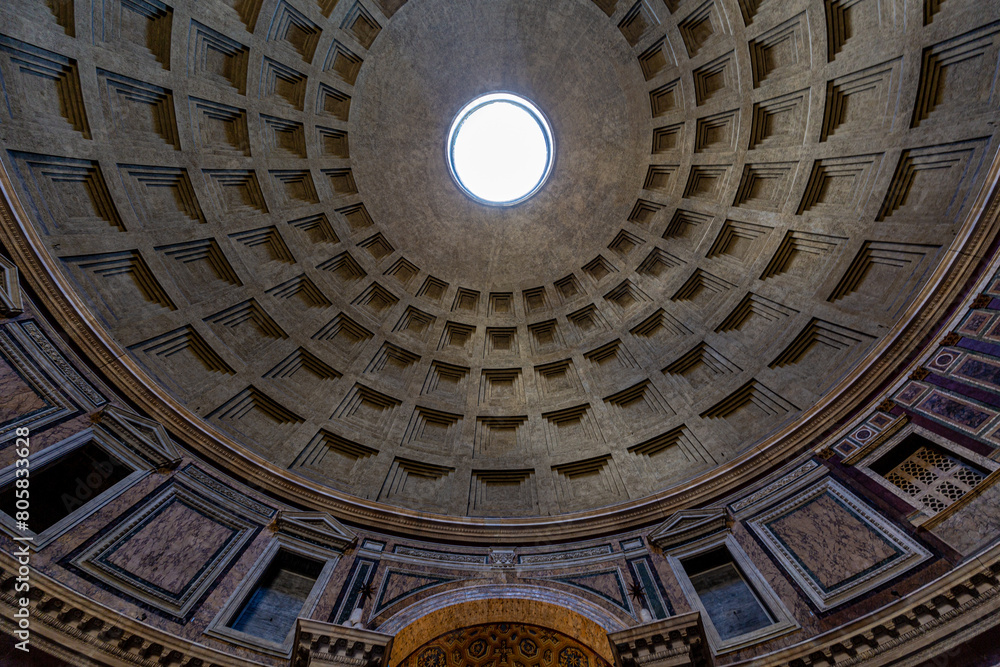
(731, 603)
(928, 473)
(269, 612)
(66, 484)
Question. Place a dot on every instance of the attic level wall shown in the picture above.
(229, 187)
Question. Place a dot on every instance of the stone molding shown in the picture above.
(807, 471)
(942, 614)
(440, 556)
(583, 554)
(583, 607)
(10, 289)
(910, 552)
(145, 437)
(318, 643)
(85, 633)
(678, 641)
(878, 440)
(95, 559)
(317, 528)
(138, 467)
(782, 620)
(689, 525)
(36, 369)
(502, 559)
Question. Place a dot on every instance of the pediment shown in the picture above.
(318, 528)
(143, 436)
(689, 525)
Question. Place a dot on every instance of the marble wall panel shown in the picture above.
(399, 584)
(168, 551)
(833, 545)
(21, 400)
(609, 585)
(976, 525)
(38, 385)
(169, 548)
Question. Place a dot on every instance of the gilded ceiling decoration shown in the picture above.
(504, 645)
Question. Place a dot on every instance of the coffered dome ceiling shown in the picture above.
(749, 198)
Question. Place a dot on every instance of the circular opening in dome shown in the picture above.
(500, 149)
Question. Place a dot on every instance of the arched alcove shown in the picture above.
(566, 613)
(505, 643)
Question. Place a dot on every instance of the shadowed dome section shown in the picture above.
(500, 149)
(256, 206)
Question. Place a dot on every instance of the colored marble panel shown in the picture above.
(980, 346)
(870, 428)
(954, 411)
(863, 434)
(360, 574)
(20, 400)
(846, 548)
(909, 393)
(880, 420)
(398, 585)
(944, 360)
(846, 447)
(168, 551)
(980, 371)
(975, 525)
(655, 601)
(607, 584)
(833, 545)
(975, 323)
(994, 288)
(171, 548)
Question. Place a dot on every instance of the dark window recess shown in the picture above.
(730, 601)
(64, 485)
(271, 609)
(931, 475)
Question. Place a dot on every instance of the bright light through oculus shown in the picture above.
(500, 149)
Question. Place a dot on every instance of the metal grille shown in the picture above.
(934, 478)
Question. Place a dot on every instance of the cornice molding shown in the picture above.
(678, 641)
(319, 643)
(82, 632)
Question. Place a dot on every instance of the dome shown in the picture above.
(753, 220)
(726, 233)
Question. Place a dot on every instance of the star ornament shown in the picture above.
(636, 592)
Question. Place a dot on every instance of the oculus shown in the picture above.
(500, 149)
